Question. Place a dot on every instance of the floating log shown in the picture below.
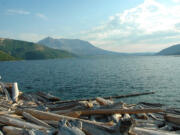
(173, 118)
(48, 96)
(10, 130)
(19, 123)
(121, 111)
(35, 120)
(109, 97)
(151, 104)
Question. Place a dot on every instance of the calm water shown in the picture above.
(90, 77)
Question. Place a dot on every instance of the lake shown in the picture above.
(90, 77)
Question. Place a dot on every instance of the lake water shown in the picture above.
(90, 77)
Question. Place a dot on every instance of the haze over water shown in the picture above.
(91, 77)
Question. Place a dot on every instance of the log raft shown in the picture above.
(41, 113)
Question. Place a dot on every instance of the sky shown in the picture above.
(116, 25)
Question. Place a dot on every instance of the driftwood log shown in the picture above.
(173, 118)
(10, 130)
(109, 97)
(15, 92)
(143, 131)
(19, 123)
(35, 120)
(120, 111)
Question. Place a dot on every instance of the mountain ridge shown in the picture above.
(172, 50)
(76, 46)
(29, 51)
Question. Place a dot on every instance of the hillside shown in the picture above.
(29, 51)
(6, 57)
(76, 46)
(173, 50)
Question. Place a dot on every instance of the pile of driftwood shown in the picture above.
(39, 113)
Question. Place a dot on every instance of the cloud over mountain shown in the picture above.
(149, 23)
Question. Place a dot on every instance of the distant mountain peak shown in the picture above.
(48, 38)
(76, 46)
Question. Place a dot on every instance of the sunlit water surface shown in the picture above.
(90, 77)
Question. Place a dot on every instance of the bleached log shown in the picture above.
(15, 92)
(52, 123)
(143, 131)
(48, 96)
(51, 116)
(121, 111)
(35, 120)
(70, 127)
(63, 106)
(14, 116)
(173, 118)
(116, 117)
(18, 123)
(40, 132)
(75, 114)
(142, 116)
(103, 101)
(4, 112)
(10, 130)
(123, 127)
(109, 97)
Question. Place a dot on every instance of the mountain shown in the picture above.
(173, 50)
(76, 46)
(29, 51)
(6, 57)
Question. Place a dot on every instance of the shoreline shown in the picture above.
(43, 113)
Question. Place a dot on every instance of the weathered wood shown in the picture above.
(63, 106)
(35, 120)
(143, 131)
(52, 123)
(51, 116)
(15, 92)
(70, 127)
(103, 101)
(8, 97)
(10, 130)
(151, 104)
(109, 97)
(48, 96)
(172, 118)
(142, 116)
(121, 111)
(4, 112)
(18, 123)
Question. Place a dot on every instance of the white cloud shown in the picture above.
(42, 16)
(17, 11)
(176, 1)
(147, 27)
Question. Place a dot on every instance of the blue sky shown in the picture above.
(117, 25)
